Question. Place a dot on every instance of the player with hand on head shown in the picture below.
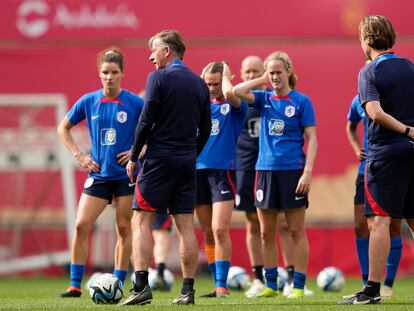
(356, 115)
(386, 93)
(175, 124)
(215, 173)
(283, 171)
(111, 115)
(247, 150)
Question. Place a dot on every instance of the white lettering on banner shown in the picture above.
(99, 18)
(34, 18)
(36, 27)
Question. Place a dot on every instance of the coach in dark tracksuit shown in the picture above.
(175, 124)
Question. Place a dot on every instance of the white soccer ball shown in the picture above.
(238, 279)
(152, 278)
(282, 278)
(91, 278)
(106, 288)
(331, 279)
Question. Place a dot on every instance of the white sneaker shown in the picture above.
(256, 288)
(287, 290)
(386, 292)
(309, 292)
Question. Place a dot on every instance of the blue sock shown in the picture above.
(393, 261)
(299, 280)
(362, 245)
(76, 275)
(222, 271)
(212, 267)
(271, 277)
(121, 275)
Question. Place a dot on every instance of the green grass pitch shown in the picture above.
(41, 294)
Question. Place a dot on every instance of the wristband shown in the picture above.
(407, 130)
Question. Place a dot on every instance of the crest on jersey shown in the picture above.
(253, 127)
(224, 109)
(108, 136)
(290, 111)
(121, 117)
(259, 195)
(276, 127)
(215, 127)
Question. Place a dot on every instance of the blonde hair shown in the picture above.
(283, 57)
(378, 32)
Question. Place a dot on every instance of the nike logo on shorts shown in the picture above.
(224, 192)
(95, 117)
(131, 184)
(299, 198)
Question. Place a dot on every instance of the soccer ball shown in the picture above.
(106, 288)
(152, 278)
(331, 279)
(238, 279)
(282, 278)
(91, 278)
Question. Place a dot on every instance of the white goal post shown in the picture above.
(13, 140)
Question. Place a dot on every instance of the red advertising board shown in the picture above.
(108, 19)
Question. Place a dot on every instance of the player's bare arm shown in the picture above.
(243, 90)
(84, 161)
(311, 150)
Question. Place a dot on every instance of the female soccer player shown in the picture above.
(111, 115)
(283, 171)
(215, 172)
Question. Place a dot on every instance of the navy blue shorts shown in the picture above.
(359, 197)
(162, 221)
(107, 189)
(215, 186)
(389, 187)
(276, 190)
(166, 185)
(245, 191)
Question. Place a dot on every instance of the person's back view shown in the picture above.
(386, 93)
(177, 110)
(175, 124)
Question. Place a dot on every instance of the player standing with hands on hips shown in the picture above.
(112, 115)
(175, 124)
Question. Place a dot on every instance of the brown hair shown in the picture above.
(172, 39)
(215, 67)
(111, 55)
(284, 57)
(378, 32)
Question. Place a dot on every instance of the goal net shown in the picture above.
(37, 183)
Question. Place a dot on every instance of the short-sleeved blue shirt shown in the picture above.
(357, 114)
(111, 124)
(283, 120)
(388, 79)
(220, 150)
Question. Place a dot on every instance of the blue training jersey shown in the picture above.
(357, 114)
(111, 124)
(220, 150)
(388, 79)
(281, 129)
(248, 141)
